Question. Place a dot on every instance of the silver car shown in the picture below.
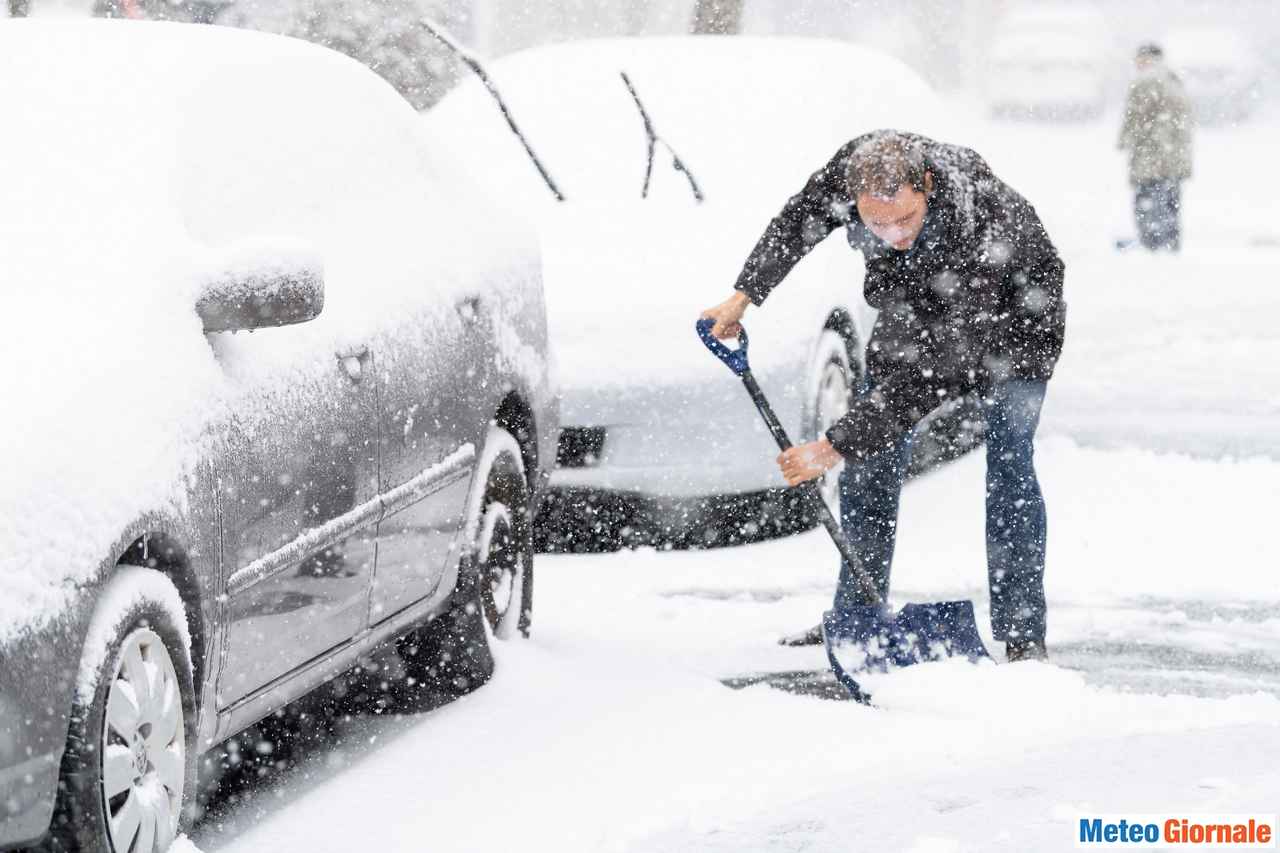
(274, 399)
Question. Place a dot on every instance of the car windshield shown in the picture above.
(703, 100)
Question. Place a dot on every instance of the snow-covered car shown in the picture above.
(199, 525)
(659, 441)
(1221, 70)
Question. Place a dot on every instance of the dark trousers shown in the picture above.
(1157, 208)
(1016, 527)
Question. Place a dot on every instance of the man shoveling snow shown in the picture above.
(969, 292)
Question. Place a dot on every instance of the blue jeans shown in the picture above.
(1156, 209)
(870, 491)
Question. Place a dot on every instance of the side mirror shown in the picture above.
(268, 288)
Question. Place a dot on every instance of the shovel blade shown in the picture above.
(871, 638)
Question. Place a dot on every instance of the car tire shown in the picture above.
(831, 388)
(494, 596)
(130, 763)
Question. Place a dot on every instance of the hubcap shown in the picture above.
(144, 747)
(832, 404)
(499, 557)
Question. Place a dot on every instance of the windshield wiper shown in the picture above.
(652, 135)
(473, 62)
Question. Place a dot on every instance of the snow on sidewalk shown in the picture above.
(1033, 803)
(609, 730)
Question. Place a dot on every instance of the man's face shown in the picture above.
(898, 220)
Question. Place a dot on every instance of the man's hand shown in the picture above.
(728, 315)
(808, 461)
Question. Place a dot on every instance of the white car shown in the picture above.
(658, 436)
(1048, 61)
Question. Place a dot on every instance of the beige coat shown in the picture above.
(1157, 127)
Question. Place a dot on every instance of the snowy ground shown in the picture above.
(611, 730)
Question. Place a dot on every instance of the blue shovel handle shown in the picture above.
(734, 359)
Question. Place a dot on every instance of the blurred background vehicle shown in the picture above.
(187, 11)
(1221, 69)
(200, 526)
(1055, 76)
(1048, 61)
(657, 447)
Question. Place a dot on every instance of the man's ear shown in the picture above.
(928, 182)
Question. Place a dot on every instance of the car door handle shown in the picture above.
(352, 361)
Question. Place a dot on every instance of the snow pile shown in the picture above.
(183, 844)
(646, 749)
(139, 157)
(258, 261)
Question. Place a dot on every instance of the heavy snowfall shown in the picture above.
(652, 708)
(612, 727)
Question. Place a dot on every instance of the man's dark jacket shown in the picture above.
(975, 300)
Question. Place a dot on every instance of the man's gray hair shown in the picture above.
(884, 164)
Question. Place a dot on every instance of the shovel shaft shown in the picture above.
(812, 494)
(736, 360)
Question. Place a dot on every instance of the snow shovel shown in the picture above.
(868, 637)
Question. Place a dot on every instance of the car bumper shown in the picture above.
(599, 505)
(26, 799)
(38, 671)
(683, 441)
(573, 520)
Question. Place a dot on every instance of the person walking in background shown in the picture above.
(1157, 134)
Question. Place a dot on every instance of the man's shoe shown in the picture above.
(812, 637)
(1018, 650)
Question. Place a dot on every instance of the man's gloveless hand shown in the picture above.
(808, 461)
(728, 315)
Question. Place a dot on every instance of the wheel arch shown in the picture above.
(160, 542)
(842, 323)
(165, 552)
(515, 415)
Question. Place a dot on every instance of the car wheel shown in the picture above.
(831, 390)
(129, 760)
(494, 598)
